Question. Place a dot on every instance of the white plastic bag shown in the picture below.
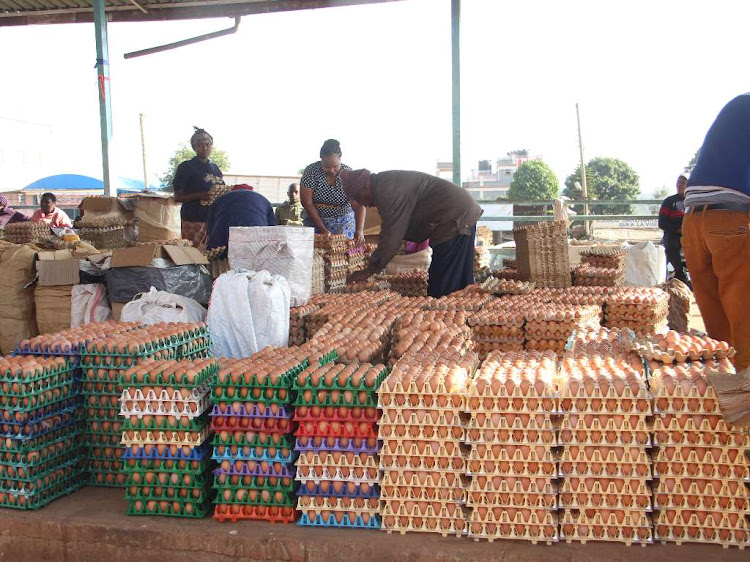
(409, 262)
(89, 303)
(160, 306)
(645, 265)
(280, 250)
(249, 310)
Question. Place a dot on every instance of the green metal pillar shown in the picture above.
(456, 58)
(105, 106)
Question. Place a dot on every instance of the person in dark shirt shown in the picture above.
(241, 207)
(670, 221)
(192, 182)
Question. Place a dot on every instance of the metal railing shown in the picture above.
(580, 217)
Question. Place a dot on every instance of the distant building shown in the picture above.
(273, 188)
(445, 170)
(489, 182)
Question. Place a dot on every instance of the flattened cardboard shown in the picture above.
(185, 255)
(51, 273)
(101, 204)
(135, 256)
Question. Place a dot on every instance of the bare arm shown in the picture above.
(306, 195)
(359, 221)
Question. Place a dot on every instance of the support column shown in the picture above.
(456, 79)
(105, 107)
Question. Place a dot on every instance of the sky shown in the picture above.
(649, 77)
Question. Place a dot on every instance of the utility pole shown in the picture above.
(456, 89)
(583, 173)
(143, 149)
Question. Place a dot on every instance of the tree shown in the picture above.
(660, 193)
(533, 181)
(183, 153)
(607, 179)
(691, 164)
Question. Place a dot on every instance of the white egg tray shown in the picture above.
(416, 417)
(531, 438)
(694, 406)
(635, 529)
(415, 448)
(430, 479)
(740, 503)
(612, 406)
(515, 486)
(527, 501)
(584, 500)
(721, 455)
(397, 432)
(188, 409)
(606, 470)
(146, 437)
(549, 392)
(680, 469)
(492, 532)
(391, 492)
(500, 452)
(453, 526)
(723, 537)
(316, 504)
(316, 474)
(310, 459)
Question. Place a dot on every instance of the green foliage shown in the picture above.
(691, 164)
(184, 153)
(660, 193)
(607, 179)
(533, 181)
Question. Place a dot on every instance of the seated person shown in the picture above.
(241, 207)
(49, 213)
(8, 214)
(289, 213)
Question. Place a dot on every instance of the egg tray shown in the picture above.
(41, 498)
(258, 440)
(680, 437)
(102, 401)
(302, 446)
(14, 413)
(392, 493)
(721, 455)
(148, 493)
(500, 515)
(228, 496)
(581, 501)
(582, 530)
(107, 452)
(373, 492)
(520, 469)
(723, 519)
(479, 486)
(308, 429)
(104, 479)
(222, 481)
(457, 434)
(541, 423)
(190, 409)
(281, 396)
(432, 479)
(101, 415)
(254, 456)
(607, 470)
(251, 410)
(193, 425)
(104, 465)
(492, 532)
(483, 452)
(182, 453)
(335, 415)
(19, 453)
(144, 437)
(122, 363)
(18, 376)
(411, 416)
(308, 462)
(348, 521)
(516, 438)
(198, 511)
(30, 472)
(686, 423)
(369, 476)
(679, 406)
(724, 537)
(43, 482)
(679, 469)
(701, 487)
(362, 387)
(606, 486)
(525, 501)
(608, 438)
(39, 427)
(224, 513)
(177, 479)
(274, 426)
(35, 388)
(355, 401)
(192, 467)
(185, 336)
(254, 468)
(454, 402)
(604, 422)
(445, 527)
(151, 379)
(482, 408)
(736, 503)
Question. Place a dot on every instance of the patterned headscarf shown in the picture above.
(199, 135)
(3, 201)
(354, 180)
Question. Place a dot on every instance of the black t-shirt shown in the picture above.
(195, 176)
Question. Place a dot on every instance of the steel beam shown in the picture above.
(456, 79)
(102, 84)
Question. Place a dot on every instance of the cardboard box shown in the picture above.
(101, 204)
(144, 255)
(57, 268)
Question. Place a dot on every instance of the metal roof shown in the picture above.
(27, 12)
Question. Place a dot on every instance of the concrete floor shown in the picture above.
(91, 526)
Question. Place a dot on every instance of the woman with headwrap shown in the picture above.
(192, 182)
(8, 214)
(327, 207)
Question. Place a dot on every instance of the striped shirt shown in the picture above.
(711, 194)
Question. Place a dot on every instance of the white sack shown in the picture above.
(406, 263)
(88, 304)
(249, 310)
(160, 306)
(645, 265)
(280, 250)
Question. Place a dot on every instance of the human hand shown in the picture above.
(359, 276)
(359, 238)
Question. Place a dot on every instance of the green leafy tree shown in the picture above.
(660, 193)
(533, 181)
(184, 153)
(607, 179)
(691, 164)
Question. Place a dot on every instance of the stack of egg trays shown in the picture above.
(605, 469)
(422, 461)
(166, 418)
(40, 427)
(701, 468)
(253, 448)
(102, 368)
(337, 442)
(512, 461)
(497, 327)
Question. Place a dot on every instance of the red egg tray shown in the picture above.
(261, 425)
(335, 414)
(224, 513)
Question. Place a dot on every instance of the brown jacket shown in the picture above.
(416, 206)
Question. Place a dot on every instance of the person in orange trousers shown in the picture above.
(715, 228)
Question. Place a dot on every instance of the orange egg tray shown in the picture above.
(631, 527)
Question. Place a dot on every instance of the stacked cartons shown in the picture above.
(542, 253)
(252, 420)
(319, 271)
(337, 467)
(512, 462)
(423, 483)
(644, 311)
(701, 464)
(26, 232)
(549, 327)
(497, 327)
(166, 433)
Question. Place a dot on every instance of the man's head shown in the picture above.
(357, 186)
(681, 184)
(202, 143)
(293, 192)
(47, 203)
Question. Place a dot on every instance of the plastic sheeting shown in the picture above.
(191, 281)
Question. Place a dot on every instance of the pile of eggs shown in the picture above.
(587, 275)
(411, 284)
(422, 463)
(608, 258)
(163, 403)
(605, 437)
(497, 327)
(69, 341)
(549, 327)
(511, 463)
(104, 363)
(673, 347)
(451, 339)
(642, 309)
(356, 257)
(297, 316)
(40, 453)
(252, 418)
(337, 467)
(701, 462)
(506, 286)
